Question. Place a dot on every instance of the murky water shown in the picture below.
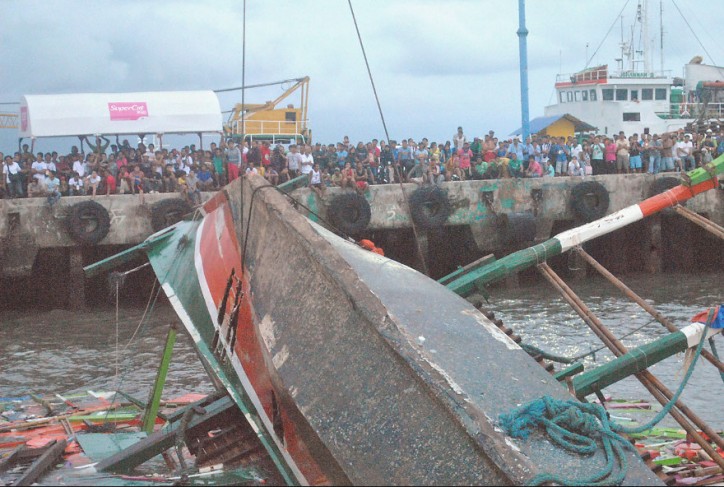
(541, 317)
(63, 351)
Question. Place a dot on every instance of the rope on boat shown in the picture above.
(533, 350)
(149, 311)
(583, 428)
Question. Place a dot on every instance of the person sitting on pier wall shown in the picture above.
(489, 157)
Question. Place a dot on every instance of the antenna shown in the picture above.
(645, 43)
(661, 25)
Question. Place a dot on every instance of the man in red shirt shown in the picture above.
(265, 154)
(110, 182)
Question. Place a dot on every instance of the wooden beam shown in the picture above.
(43, 463)
(160, 441)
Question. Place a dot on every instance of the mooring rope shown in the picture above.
(579, 427)
(387, 136)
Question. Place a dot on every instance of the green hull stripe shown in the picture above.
(170, 260)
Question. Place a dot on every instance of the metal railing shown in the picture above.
(694, 110)
(604, 74)
(270, 127)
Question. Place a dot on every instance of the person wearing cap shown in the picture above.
(459, 139)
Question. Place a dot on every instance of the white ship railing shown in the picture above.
(694, 110)
(603, 74)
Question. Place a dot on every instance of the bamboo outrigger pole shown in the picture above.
(697, 181)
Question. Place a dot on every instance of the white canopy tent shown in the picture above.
(96, 114)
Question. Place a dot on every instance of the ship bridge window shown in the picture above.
(577, 95)
(647, 94)
(607, 94)
(632, 117)
(569, 95)
(562, 96)
(621, 94)
(593, 95)
(584, 95)
(634, 95)
(290, 116)
(661, 93)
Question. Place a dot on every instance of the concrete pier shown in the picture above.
(479, 215)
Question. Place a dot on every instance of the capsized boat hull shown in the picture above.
(363, 370)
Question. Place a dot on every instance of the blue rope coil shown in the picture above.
(583, 428)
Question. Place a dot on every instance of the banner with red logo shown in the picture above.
(125, 110)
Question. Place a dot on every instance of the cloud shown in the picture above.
(436, 64)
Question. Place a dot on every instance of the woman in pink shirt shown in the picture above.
(465, 155)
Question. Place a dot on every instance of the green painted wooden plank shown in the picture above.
(298, 182)
(636, 360)
(99, 446)
(668, 461)
(569, 371)
(125, 256)
(159, 441)
(154, 401)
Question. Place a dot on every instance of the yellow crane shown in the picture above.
(267, 122)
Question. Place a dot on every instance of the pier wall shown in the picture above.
(37, 254)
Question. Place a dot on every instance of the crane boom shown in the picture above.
(264, 120)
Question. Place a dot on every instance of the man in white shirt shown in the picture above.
(75, 185)
(459, 139)
(294, 161)
(13, 179)
(78, 166)
(38, 168)
(685, 152)
(307, 160)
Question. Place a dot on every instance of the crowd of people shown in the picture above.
(121, 169)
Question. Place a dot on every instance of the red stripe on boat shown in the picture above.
(673, 196)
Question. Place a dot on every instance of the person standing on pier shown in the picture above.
(459, 139)
(13, 178)
(52, 187)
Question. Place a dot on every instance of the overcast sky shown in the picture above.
(436, 64)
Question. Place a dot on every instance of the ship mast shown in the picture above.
(661, 24)
(523, 47)
(645, 40)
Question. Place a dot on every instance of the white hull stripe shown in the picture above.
(236, 364)
(576, 236)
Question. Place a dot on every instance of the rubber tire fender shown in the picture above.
(515, 228)
(78, 218)
(429, 207)
(167, 212)
(583, 207)
(350, 213)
